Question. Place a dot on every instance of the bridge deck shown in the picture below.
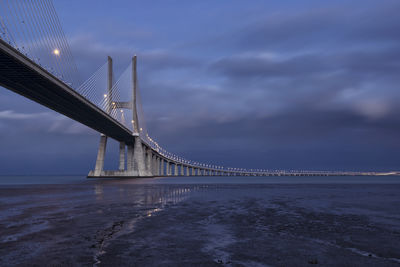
(21, 75)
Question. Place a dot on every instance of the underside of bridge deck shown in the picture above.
(21, 75)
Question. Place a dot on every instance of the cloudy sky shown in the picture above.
(253, 84)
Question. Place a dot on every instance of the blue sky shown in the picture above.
(256, 84)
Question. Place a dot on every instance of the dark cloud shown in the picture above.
(332, 27)
(328, 138)
(378, 61)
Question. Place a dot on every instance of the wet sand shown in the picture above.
(122, 224)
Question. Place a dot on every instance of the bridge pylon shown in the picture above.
(140, 159)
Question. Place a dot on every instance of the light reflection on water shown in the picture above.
(146, 200)
(145, 195)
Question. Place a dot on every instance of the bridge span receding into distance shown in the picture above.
(139, 155)
(20, 74)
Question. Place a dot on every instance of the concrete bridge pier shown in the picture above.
(139, 165)
(100, 156)
(169, 168)
(154, 164)
(162, 166)
(159, 166)
(129, 161)
(122, 156)
(176, 169)
(149, 166)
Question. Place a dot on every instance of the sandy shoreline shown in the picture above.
(108, 224)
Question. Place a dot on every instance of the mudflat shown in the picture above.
(122, 224)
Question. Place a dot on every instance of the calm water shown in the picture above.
(81, 179)
(199, 221)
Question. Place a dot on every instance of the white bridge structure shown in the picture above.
(36, 62)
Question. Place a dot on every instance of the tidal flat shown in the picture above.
(120, 223)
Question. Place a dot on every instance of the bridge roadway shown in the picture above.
(20, 74)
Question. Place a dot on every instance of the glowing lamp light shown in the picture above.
(56, 52)
(105, 95)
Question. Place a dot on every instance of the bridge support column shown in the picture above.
(162, 167)
(100, 156)
(154, 164)
(121, 156)
(176, 169)
(182, 173)
(188, 170)
(139, 165)
(147, 160)
(158, 166)
(149, 168)
(129, 160)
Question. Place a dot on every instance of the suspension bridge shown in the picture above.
(36, 62)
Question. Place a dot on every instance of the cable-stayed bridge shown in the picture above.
(36, 62)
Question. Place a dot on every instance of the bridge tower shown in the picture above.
(140, 161)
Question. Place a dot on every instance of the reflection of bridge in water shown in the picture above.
(36, 62)
(154, 198)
